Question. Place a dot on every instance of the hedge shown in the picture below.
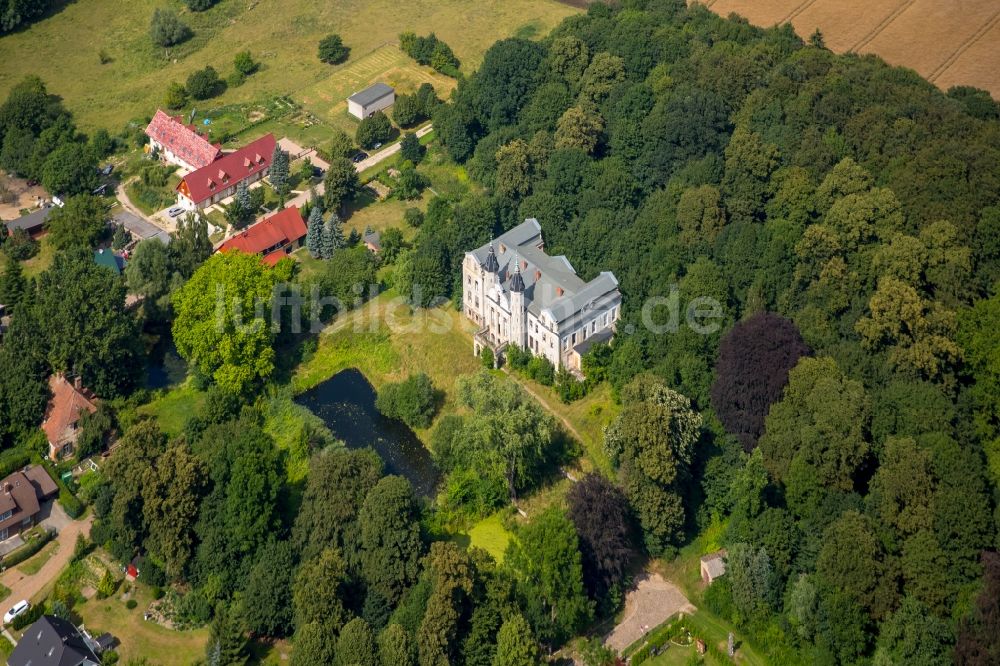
(28, 617)
(73, 506)
(27, 550)
(13, 460)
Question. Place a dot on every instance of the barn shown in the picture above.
(373, 98)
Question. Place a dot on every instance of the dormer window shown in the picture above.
(246, 162)
(503, 248)
(538, 275)
(211, 184)
(257, 158)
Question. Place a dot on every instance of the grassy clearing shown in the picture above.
(41, 261)
(328, 98)
(174, 407)
(4, 591)
(35, 563)
(490, 535)
(138, 637)
(281, 34)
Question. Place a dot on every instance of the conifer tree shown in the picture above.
(314, 236)
(333, 236)
(12, 283)
(227, 643)
(278, 173)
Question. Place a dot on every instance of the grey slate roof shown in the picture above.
(51, 641)
(140, 228)
(371, 94)
(543, 276)
(30, 221)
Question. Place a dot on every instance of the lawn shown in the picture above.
(41, 261)
(4, 591)
(34, 564)
(281, 34)
(174, 407)
(490, 535)
(138, 637)
(327, 99)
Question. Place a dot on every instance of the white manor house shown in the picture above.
(518, 295)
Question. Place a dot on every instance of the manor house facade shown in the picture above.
(519, 295)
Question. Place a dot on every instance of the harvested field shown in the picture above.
(950, 42)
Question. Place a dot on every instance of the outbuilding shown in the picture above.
(373, 98)
(713, 565)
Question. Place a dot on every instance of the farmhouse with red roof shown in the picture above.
(69, 401)
(211, 184)
(272, 238)
(180, 144)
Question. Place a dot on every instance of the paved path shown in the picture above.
(650, 603)
(301, 198)
(28, 587)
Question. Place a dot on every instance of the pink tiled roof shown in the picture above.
(182, 140)
(228, 170)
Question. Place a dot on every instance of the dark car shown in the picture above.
(106, 171)
(359, 156)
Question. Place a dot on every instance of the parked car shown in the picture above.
(175, 211)
(359, 156)
(377, 146)
(18, 608)
(106, 171)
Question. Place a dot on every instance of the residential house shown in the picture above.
(52, 641)
(713, 565)
(180, 144)
(519, 295)
(373, 241)
(211, 184)
(69, 401)
(21, 496)
(33, 223)
(272, 238)
(373, 98)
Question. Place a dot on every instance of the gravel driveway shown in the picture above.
(650, 603)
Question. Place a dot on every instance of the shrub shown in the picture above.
(486, 356)
(20, 246)
(410, 148)
(332, 50)
(204, 83)
(157, 593)
(80, 548)
(200, 5)
(431, 51)
(106, 586)
(166, 29)
(413, 217)
(374, 129)
(131, 604)
(244, 63)
(69, 502)
(541, 370)
(413, 401)
(13, 460)
(151, 574)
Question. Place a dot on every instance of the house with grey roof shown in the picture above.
(519, 295)
(33, 223)
(52, 641)
(373, 98)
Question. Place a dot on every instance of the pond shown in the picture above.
(346, 403)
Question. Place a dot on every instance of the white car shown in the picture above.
(175, 211)
(20, 607)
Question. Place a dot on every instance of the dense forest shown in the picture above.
(838, 429)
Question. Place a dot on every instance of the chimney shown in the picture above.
(78, 383)
(6, 488)
(538, 275)
(559, 291)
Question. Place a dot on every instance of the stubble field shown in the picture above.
(951, 42)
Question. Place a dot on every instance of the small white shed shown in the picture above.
(373, 98)
(713, 566)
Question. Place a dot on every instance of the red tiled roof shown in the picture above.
(273, 258)
(282, 228)
(182, 140)
(64, 410)
(228, 170)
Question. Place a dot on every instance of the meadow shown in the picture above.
(67, 49)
